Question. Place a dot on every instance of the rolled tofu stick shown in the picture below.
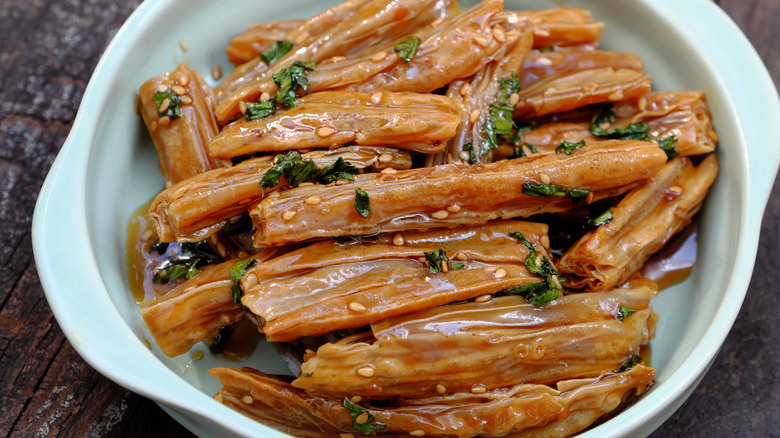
(562, 26)
(197, 308)
(353, 27)
(181, 142)
(537, 410)
(479, 346)
(200, 206)
(644, 220)
(354, 284)
(332, 118)
(426, 197)
(541, 65)
(580, 88)
(684, 114)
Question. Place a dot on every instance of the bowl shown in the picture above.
(107, 168)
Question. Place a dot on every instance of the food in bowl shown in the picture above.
(351, 197)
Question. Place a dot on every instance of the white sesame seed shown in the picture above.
(336, 59)
(341, 182)
(474, 116)
(464, 155)
(675, 190)
(498, 34)
(183, 45)
(186, 100)
(178, 89)
(379, 56)
(538, 261)
(398, 239)
(417, 432)
(162, 88)
(441, 389)
(526, 150)
(481, 41)
(313, 200)
(483, 298)
(499, 274)
(556, 281)
(617, 95)
(546, 241)
(183, 79)
(325, 131)
(356, 399)
(490, 269)
(385, 158)
(242, 107)
(287, 215)
(440, 214)
(464, 89)
(357, 307)
(641, 103)
(366, 371)
(545, 178)
(454, 208)
(478, 389)
(389, 171)
(164, 120)
(461, 256)
(247, 400)
(376, 98)
(362, 418)
(265, 96)
(513, 99)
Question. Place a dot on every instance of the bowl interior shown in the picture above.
(122, 170)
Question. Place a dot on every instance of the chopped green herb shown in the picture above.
(634, 131)
(468, 147)
(289, 80)
(258, 110)
(368, 426)
(236, 272)
(307, 374)
(173, 111)
(183, 260)
(624, 312)
(439, 262)
(339, 170)
(519, 152)
(276, 51)
(501, 116)
(667, 145)
(507, 87)
(241, 224)
(540, 190)
(218, 346)
(602, 219)
(407, 48)
(292, 167)
(568, 147)
(362, 202)
(358, 238)
(631, 362)
(491, 141)
(542, 293)
(548, 49)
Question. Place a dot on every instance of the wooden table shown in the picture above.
(48, 50)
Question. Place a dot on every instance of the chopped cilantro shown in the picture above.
(339, 170)
(173, 111)
(491, 140)
(540, 190)
(631, 362)
(602, 219)
(258, 110)
(276, 51)
(568, 147)
(667, 145)
(542, 293)
(468, 147)
(362, 203)
(634, 131)
(289, 80)
(358, 238)
(368, 426)
(507, 87)
(624, 312)
(183, 260)
(407, 48)
(236, 272)
(241, 224)
(292, 167)
(439, 262)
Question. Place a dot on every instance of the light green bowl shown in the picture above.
(107, 168)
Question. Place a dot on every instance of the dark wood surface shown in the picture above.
(48, 50)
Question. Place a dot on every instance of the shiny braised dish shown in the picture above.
(442, 217)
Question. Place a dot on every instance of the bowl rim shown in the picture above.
(714, 29)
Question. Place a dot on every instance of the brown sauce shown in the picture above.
(675, 261)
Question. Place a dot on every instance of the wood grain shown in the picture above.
(48, 51)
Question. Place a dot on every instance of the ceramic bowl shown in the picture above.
(108, 168)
